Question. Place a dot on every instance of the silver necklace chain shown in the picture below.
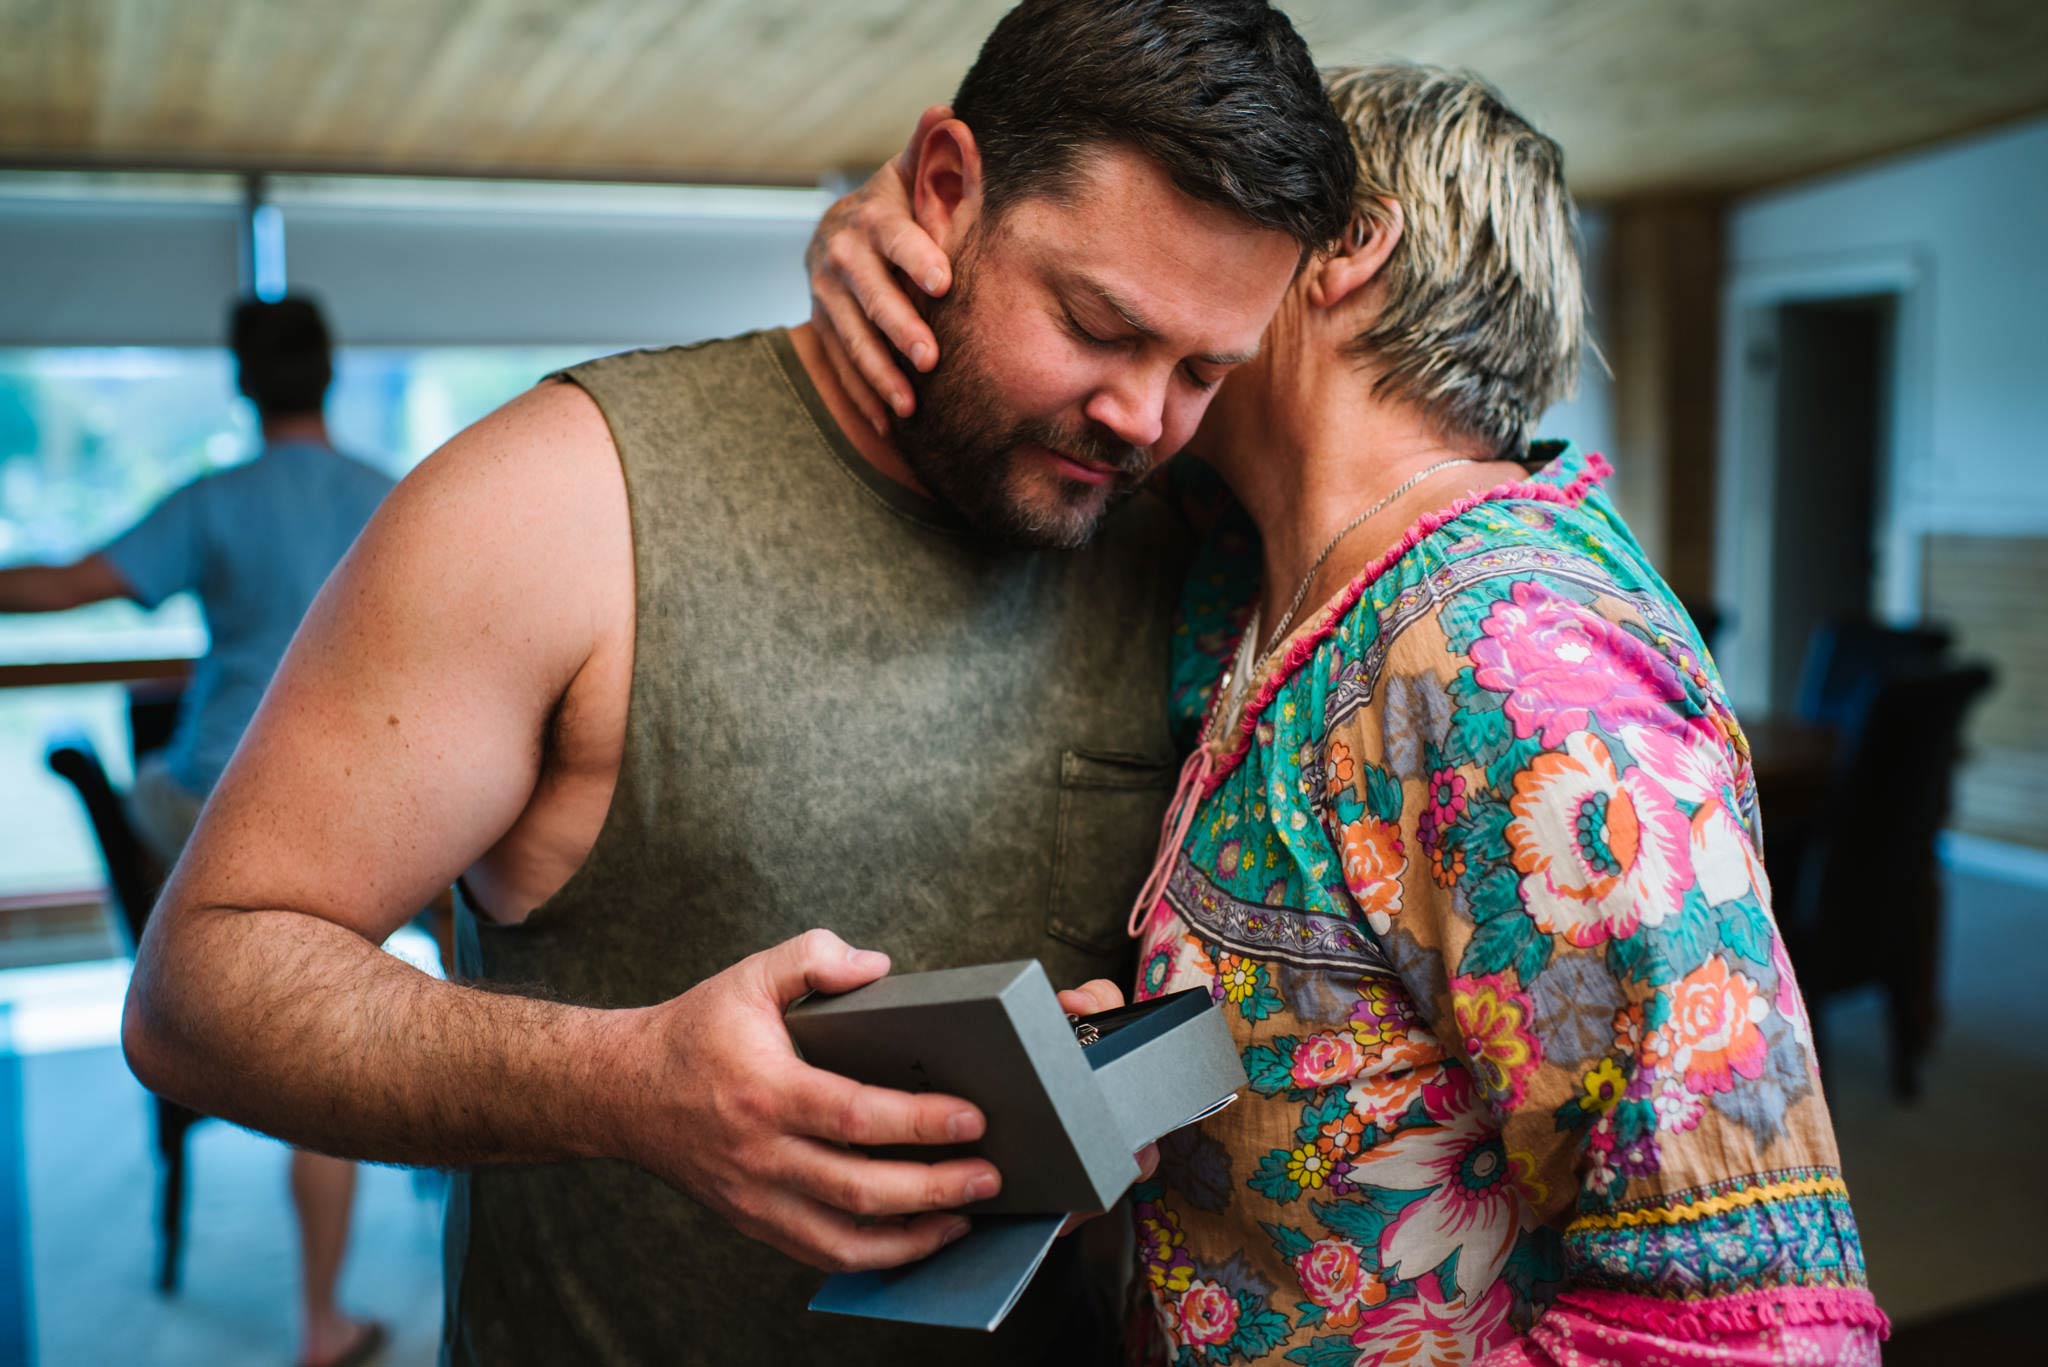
(1287, 618)
(1247, 666)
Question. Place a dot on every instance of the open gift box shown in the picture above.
(1064, 1118)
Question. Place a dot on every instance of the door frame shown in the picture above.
(1746, 487)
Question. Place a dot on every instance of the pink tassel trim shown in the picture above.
(1299, 654)
(1745, 1313)
(1180, 818)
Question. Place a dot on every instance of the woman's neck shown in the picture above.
(1306, 462)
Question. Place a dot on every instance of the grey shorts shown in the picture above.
(162, 810)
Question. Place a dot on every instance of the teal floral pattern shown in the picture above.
(1475, 881)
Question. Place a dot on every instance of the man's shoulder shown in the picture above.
(706, 371)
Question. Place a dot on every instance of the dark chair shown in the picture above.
(134, 878)
(1862, 904)
(1844, 656)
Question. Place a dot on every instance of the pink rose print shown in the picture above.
(1207, 1313)
(1325, 1060)
(1714, 1032)
(1329, 1274)
(1425, 1330)
(1563, 665)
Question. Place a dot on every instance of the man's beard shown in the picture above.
(965, 449)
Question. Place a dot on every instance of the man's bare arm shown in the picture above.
(402, 737)
(58, 588)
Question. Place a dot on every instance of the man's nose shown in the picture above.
(1133, 407)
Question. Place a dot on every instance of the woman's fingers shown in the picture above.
(1099, 994)
(911, 250)
(850, 378)
(883, 301)
(876, 368)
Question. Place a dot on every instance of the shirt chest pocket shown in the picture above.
(1111, 804)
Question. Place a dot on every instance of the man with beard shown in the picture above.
(677, 658)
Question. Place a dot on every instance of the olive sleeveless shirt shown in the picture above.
(847, 711)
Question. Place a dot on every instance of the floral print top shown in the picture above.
(1475, 878)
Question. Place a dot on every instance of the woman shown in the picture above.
(1466, 845)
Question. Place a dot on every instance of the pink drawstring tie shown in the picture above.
(1180, 819)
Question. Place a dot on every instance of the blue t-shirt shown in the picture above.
(255, 543)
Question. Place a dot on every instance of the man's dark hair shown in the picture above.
(1221, 93)
(283, 355)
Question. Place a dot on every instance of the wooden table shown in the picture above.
(62, 673)
(1786, 750)
(1794, 762)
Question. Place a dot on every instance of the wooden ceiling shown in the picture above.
(1647, 96)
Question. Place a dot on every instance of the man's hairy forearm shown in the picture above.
(298, 1027)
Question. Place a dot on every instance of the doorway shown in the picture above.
(1831, 381)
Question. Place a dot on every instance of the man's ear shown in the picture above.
(945, 186)
(1358, 260)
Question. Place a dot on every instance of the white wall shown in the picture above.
(1972, 216)
(1955, 233)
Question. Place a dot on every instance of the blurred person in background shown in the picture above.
(877, 682)
(254, 542)
(1466, 844)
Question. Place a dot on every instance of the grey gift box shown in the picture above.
(1064, 1120)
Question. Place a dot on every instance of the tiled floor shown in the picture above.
(1948, 1193)
(92, 1225)
(91, 1205)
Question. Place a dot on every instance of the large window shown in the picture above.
(447, 298)
(90, 439)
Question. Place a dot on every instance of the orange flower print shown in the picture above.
(1372, 870)
(1340, 769)
(1649, 1049)
(1339, 1138)
(1446, 864)
(1714, 1031)
(1389, 1087)
(1493, 1019)
(1600, 851)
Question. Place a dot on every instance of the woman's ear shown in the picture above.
(1358, 260)
(945, 185)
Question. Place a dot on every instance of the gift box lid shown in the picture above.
(1064, 1118)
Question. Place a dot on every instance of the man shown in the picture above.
(674, 660)
(255, 543)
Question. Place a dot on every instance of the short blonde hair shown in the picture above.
(1485, 308)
